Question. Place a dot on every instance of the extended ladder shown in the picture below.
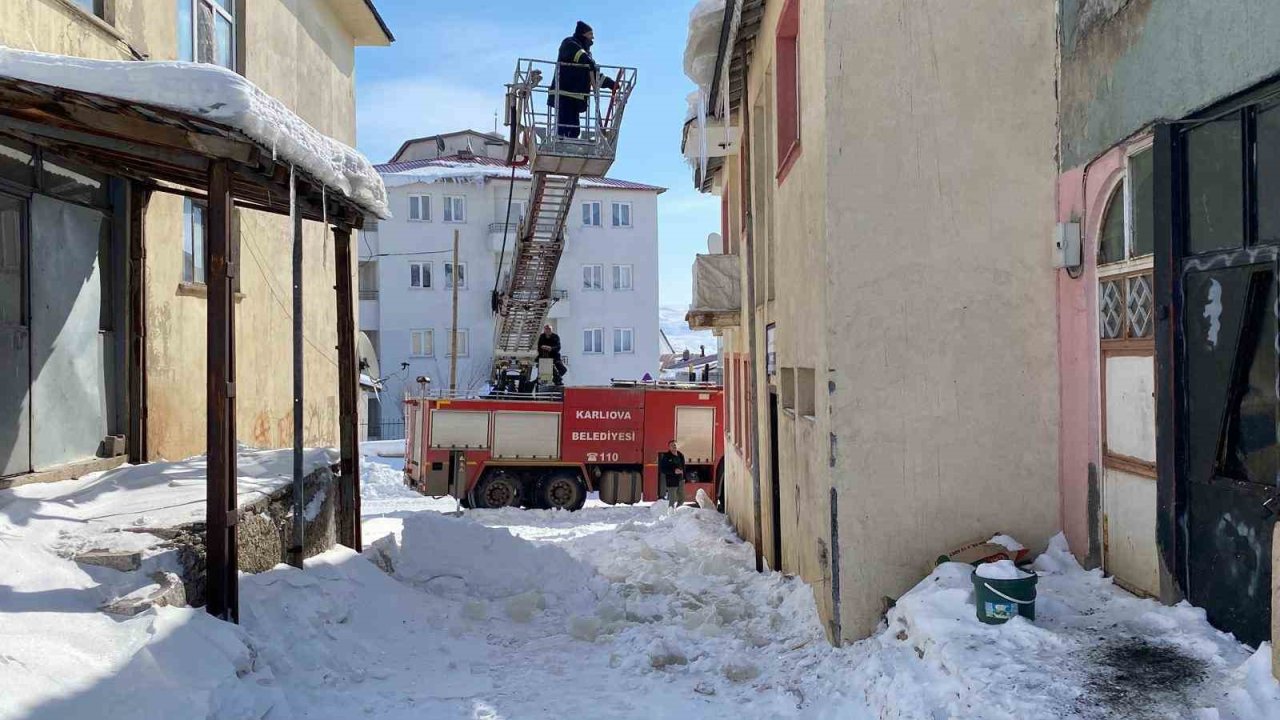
(556, 163)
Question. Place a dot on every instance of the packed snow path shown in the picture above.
(624, 612)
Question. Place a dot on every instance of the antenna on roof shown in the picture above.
(495, 122)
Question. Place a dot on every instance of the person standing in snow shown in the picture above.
(576, 75)
(671, 470)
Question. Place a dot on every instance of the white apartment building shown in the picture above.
(606, 287)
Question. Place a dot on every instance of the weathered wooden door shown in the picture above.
(15, 340)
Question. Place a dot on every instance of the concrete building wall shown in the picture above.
(941, 140)
(399, 309)
(301, 54)
(1127, 63)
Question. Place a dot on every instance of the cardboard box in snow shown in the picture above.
(984, 551)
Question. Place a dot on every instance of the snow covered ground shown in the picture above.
(610, 612)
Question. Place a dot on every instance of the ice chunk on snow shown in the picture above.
(1009, 543)
(216, 94)
(1001, 570)
(704, 501)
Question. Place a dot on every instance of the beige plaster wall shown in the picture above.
(940, 293)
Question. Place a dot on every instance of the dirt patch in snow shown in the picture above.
(1137, 678)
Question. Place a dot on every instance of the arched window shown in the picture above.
(1111, 236)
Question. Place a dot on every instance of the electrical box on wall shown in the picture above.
(1066, 245)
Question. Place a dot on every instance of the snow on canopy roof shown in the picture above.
(459, 168)
(703, 44)
(218, 95)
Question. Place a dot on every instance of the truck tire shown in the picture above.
(563, 490)
(497, 489)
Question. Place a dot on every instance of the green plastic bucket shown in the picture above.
(999, 600)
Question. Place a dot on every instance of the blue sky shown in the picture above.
(448, 66)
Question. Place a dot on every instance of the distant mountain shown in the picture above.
(671, 320)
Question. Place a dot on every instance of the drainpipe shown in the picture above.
(753, 353)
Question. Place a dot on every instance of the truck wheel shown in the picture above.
(496, 490)
(565, 491)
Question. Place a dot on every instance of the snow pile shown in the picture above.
(1001, 570)
(379, 481)
(703, 44)
(462, 557)
(1094, 651)
(218, 95)
(1009, 543)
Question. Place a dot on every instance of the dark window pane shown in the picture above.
(16, 162)
(1215, 186)
(1111, 242)
(1249, 442)
(223, 35)
(1142, 232)
(71, 181)
(1269, 175)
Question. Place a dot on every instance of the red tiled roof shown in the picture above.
(488, 162)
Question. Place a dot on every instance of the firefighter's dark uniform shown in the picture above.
(571, 87)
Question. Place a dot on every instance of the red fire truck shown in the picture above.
(496, 452)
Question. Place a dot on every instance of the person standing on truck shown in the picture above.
(549, 347)
(671, 470)
(576, 75)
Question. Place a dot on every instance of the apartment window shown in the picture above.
(192, 241)
(592, 277)
(464, 345)
(207, 32)
(420, 208)
(449, 274)
(455, 209)
(622, 214)
(622, 279)
(593, 341)
(787, 85)
(420, 275)
(624, 340)
(591, 214)
(368, 277)
(422, 343)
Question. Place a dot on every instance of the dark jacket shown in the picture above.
(553, 341)
(574, 69)
(668, 463)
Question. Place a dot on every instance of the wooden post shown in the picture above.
(223, 591)
(453, 329)
(139, 197)
(348, 389)
(296, 553)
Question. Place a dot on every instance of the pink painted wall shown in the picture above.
(1082, 196)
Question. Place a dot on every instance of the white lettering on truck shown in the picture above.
(602, 436)
(603, 414)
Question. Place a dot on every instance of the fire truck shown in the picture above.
(501, 451)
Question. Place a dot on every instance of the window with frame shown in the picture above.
(591, 214)
(787, 85)
(622, 277)
(193, 252)
(450, 274)
(97, 8)
(207, 32)
(420, 208)
(464, 344)
(592, 277)
(622, 214)
(420, 275)
(455, 209)
(422, 343)
(624, 340)
(593, 341)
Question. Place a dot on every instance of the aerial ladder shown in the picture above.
(556, 163)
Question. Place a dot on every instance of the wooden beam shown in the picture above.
(348, 389)
(139, 198)
(222, 591)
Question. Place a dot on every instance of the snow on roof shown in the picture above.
(703, 44)
(459, 168)
(218, 95)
